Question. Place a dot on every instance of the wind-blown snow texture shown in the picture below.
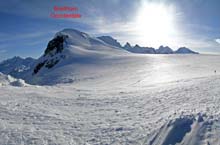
(113, 97)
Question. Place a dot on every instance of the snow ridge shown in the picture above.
(188, 130)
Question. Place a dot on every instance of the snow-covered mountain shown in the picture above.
(72, 51)
(116, 98)
(128, 46)
(164, 50)
(139, 49)
(69, 52)
(16, 66)
(184, 50)
(160, 50)
(65, 52)
(109, 40)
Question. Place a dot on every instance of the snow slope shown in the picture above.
(189, 130)
(140, 99)
(109, 40)
(67, 114)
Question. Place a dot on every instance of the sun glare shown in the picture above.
(155, 23)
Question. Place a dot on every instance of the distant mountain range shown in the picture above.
(16, 66)
(70, 50)
(145, 50)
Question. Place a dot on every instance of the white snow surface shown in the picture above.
(6, 80)
(120, 99)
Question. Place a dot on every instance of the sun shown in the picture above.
(155, 23)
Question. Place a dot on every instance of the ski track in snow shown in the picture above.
(65, 114)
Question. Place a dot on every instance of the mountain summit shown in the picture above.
(164, 50)
(71, 44)
(67, 49)
(184, 50)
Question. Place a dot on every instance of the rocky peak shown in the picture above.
(51, 57)
(127, 46)
(55, 45)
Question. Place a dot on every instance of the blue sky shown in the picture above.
(26, 26)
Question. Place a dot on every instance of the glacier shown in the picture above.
(87, 91)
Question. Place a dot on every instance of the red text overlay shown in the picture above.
(65, 12)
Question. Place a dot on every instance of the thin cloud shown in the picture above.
(31, 35)
(217, 40)
(2, 50)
